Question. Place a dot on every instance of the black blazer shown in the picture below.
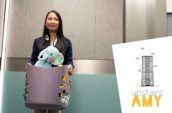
(67, 54)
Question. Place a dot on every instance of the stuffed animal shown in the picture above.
(49, 56)
(65, 99)
(65, 95)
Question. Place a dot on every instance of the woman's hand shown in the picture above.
(25, 68)
(70, 69)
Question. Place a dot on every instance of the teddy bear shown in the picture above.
(49, 56)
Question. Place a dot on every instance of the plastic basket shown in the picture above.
(47, 88)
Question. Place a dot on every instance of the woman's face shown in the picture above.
(52, 22)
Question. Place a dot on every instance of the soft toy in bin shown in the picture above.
(47, 88)
(49, 56)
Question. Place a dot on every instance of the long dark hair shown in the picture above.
(61, 45)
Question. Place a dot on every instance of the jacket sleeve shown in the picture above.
(68, 58)
(35, 52)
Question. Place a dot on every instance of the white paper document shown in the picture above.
(144, 75)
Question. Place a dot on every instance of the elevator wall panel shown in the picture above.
(26, 21)
(79, 25)
(92, 26)
(109, 27)
(2, 8)
(135, 20)
(145, 19)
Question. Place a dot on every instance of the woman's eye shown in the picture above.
(49, 18)
(56, 19)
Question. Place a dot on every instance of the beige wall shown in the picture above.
(161, 18)
(145, 19)
(92, 25)
(135, 20)
(169, 5)
(109, 27)
(25, 23)
(2, 6)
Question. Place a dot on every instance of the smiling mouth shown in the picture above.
(52, 25)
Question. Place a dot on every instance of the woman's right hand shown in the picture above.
(70, 69)
(25, 68)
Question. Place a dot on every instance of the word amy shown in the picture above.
(146, 100)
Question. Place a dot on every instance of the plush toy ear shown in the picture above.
(59, 60)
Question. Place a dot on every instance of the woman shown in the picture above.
(53, 35)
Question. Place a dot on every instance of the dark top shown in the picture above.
(67, 54)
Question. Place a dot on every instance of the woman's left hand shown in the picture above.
(70, 69)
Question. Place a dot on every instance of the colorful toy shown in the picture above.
(65, 95)
(49, 56)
